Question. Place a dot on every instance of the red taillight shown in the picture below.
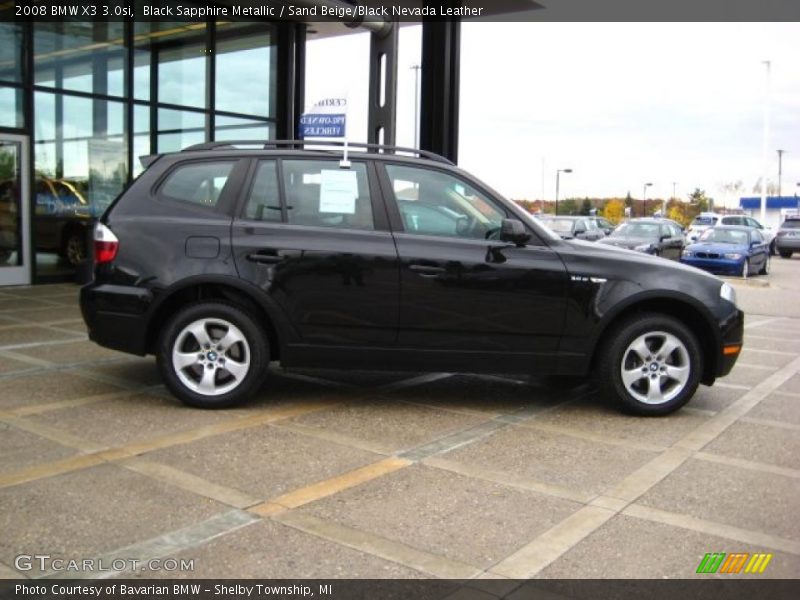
(106, 244)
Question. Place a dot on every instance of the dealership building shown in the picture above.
(80, 101)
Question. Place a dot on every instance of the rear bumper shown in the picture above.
(784, 243)
(116, 316)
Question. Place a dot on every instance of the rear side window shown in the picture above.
(200, 184)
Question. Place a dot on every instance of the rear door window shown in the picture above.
(320, 194)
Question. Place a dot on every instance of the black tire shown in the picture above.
(765, 269)
(785, 253)
(772, 251)
(73, 248)
(616, 354)
(218, 319)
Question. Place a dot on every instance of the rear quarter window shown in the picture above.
(199, 184)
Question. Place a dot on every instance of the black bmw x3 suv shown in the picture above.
(226, 256)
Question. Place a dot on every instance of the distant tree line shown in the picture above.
(613, 209)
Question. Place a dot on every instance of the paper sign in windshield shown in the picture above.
(338, 192)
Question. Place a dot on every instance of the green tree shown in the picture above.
(699, 201)
(586, 207)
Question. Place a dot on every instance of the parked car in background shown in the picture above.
(659, 237)
(62, 219)
(700, 223)
(729, 250)
(746, 221)
(787, 240)
(581, 228)
(603, 224)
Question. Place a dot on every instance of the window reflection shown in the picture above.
(10, 107)
(243, 71)
(10, 52)
(182, 75)
(80, 56)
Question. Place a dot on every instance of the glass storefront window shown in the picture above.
(244, 72)
(180, 128)
(231, 128)
(182, 75)
(80, 56)
(10, 52)
(10, 107)
(141, 137)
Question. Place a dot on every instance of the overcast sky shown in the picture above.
(619, 103)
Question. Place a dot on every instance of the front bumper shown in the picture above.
(718, 266)
(732, 336)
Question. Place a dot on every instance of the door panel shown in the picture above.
(336, 287)
(312, 240)
(14, 211)
(471, 295)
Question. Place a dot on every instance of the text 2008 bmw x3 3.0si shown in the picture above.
(226, 256)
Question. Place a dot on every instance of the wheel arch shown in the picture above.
(689, 312)
(217, 288)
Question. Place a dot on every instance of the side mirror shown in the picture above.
(514, 232)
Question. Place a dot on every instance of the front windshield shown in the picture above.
(725, 236)
(637, 230)
(560, 225)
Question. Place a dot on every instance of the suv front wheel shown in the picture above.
(213, 355)
(651, 365)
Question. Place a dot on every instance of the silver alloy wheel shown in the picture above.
(211, 356)
(655, 367)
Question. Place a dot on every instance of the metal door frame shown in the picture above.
(21, 275)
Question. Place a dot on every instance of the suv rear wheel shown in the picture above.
(213, 355)
(651, 365)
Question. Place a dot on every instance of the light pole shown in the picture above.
(416, 69)
(780, 170)
(558, 175)
(644, 199)
(765, 145)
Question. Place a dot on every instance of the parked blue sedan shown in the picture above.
(729, 250)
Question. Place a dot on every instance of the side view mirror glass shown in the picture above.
(513, 231)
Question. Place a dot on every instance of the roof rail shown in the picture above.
(268, 144)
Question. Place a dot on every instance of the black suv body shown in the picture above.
(222, 258)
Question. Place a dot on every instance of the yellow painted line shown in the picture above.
(191, 483)
(236, 424)
(331, 486)
(767, 558)
(37, 409)
(267, 509)
(50, 469)
(131, 450)
(55, 435)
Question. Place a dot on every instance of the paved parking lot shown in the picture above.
(347, 474)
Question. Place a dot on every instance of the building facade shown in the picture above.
(81, 101)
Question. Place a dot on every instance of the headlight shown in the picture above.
(643, 248)
(733, 256)
(726, 292)
(687, 253)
